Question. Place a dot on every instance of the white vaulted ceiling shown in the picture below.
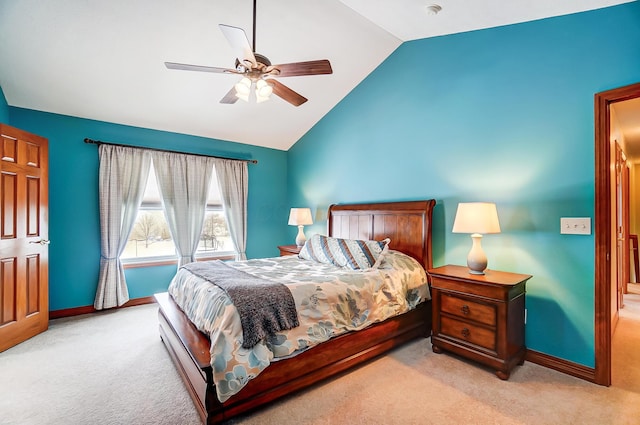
(104, 60)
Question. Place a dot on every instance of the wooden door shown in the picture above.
(626, 222)
(622, 225)
(24, 232)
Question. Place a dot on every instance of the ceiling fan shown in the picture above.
(256, 70)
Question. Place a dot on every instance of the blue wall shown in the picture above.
(74, 226)
(503, 115)
(4, 108)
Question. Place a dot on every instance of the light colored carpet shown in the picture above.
(82, 372)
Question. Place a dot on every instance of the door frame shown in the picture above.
(603, 221)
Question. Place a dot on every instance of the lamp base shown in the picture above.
(300, 238)
(477, 259)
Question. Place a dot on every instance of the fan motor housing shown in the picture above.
(261, 59)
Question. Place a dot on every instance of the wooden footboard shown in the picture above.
(189, 349)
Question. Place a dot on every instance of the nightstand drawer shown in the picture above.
(467, 309)
(468, 332)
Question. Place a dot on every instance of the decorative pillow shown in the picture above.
(351, 253)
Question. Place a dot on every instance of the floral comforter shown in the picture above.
(330, 301)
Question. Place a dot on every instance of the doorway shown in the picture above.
(605, 234)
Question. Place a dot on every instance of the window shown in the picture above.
(150, 239)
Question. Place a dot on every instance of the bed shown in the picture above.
(406, 224)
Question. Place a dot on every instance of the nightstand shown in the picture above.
(480, 317)
(289, 250)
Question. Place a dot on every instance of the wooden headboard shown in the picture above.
(407, 224)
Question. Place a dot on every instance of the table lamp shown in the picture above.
(300, 217)
(477, 218)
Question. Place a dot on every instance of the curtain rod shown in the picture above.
(98, 142)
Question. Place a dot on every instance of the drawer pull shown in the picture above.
(465, 309)
(466, 332)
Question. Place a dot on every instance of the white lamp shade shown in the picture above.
(300, 217)
(476, 217)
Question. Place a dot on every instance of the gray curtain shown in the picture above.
(183, 181)
(233, 181)
(123, 177)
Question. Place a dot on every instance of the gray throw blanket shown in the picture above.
(265, 307)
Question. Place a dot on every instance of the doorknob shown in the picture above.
(41, 242)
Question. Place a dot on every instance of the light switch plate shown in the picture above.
(575, 225)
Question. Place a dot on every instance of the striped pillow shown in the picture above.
(351, 253)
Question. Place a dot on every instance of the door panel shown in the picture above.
(24, 251)
(8, 195)
(8, 291)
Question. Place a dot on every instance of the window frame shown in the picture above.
(162, 260)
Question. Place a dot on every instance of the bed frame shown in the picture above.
(407, 224)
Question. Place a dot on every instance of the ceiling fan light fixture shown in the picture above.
(243, 86)
(243, 89)
(263, 89)
(244, 97)
(260, 99)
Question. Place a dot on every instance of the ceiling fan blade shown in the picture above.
(239, 43)
(187, 67)
(286, 93)
(230, 98)
(302, 68)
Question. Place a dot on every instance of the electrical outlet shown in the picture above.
(575, 226)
